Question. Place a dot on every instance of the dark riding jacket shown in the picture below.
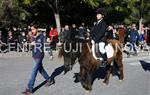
(98, 31)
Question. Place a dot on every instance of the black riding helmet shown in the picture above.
(101, 11)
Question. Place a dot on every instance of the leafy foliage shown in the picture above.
(135, 9)
(119, 11)
(12, 13)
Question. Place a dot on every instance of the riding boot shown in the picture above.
(104, 62)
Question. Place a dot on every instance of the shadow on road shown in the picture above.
(145, 65)
(55, 73)
(97, 74)
(39, 86)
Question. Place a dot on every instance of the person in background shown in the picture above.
(74, 32)
(141, 33)
(67, 33)
(133, 38)
(82, 31)
(11, 41)
(22, 39)
(111, 33)
(61, 35)
(53, 34)
(48, 46)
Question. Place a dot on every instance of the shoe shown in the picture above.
(27, 92)
(104, 56)
(49, 82)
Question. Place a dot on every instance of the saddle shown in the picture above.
(101, 49)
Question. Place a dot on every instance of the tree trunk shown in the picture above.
(57, 19)
(140, 23)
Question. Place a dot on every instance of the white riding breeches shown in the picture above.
(102, 47)
(108, 49)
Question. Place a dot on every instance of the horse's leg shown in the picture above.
(66, 65)
(119, 63)
(108, 72)
(120, 67)
(90, 77)
(87, 80)
(82, 77)
(85, 77)
(81, 74)
(73, 61)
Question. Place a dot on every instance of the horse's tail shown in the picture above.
(117, 48)
(116, 45)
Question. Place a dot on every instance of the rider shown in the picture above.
(98, 32)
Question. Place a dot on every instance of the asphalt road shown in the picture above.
(15, 70)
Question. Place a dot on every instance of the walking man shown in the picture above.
(38, 55)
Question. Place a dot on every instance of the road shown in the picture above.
(15, 70)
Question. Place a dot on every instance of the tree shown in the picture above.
(120, 11)
(57, 6)
(92, 3)
(11, 13)
(53, 4)
(132, 9)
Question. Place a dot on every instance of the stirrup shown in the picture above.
(101, 59)
(103, 64)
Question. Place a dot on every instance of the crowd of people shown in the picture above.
(133, 36)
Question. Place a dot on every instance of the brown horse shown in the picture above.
(88, 63)
(69, 51)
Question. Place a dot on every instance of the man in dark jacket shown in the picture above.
(74, 32)
(67, 33)
(22, 39)
(38, 55)
(98, 32)
(133, 38)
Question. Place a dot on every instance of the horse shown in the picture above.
(67, 50)
(88, 63)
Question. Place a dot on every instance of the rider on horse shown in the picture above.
(98, 32)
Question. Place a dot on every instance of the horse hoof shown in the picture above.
(66, 71)
(120, 81)
(104, 84)
(87, 92)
